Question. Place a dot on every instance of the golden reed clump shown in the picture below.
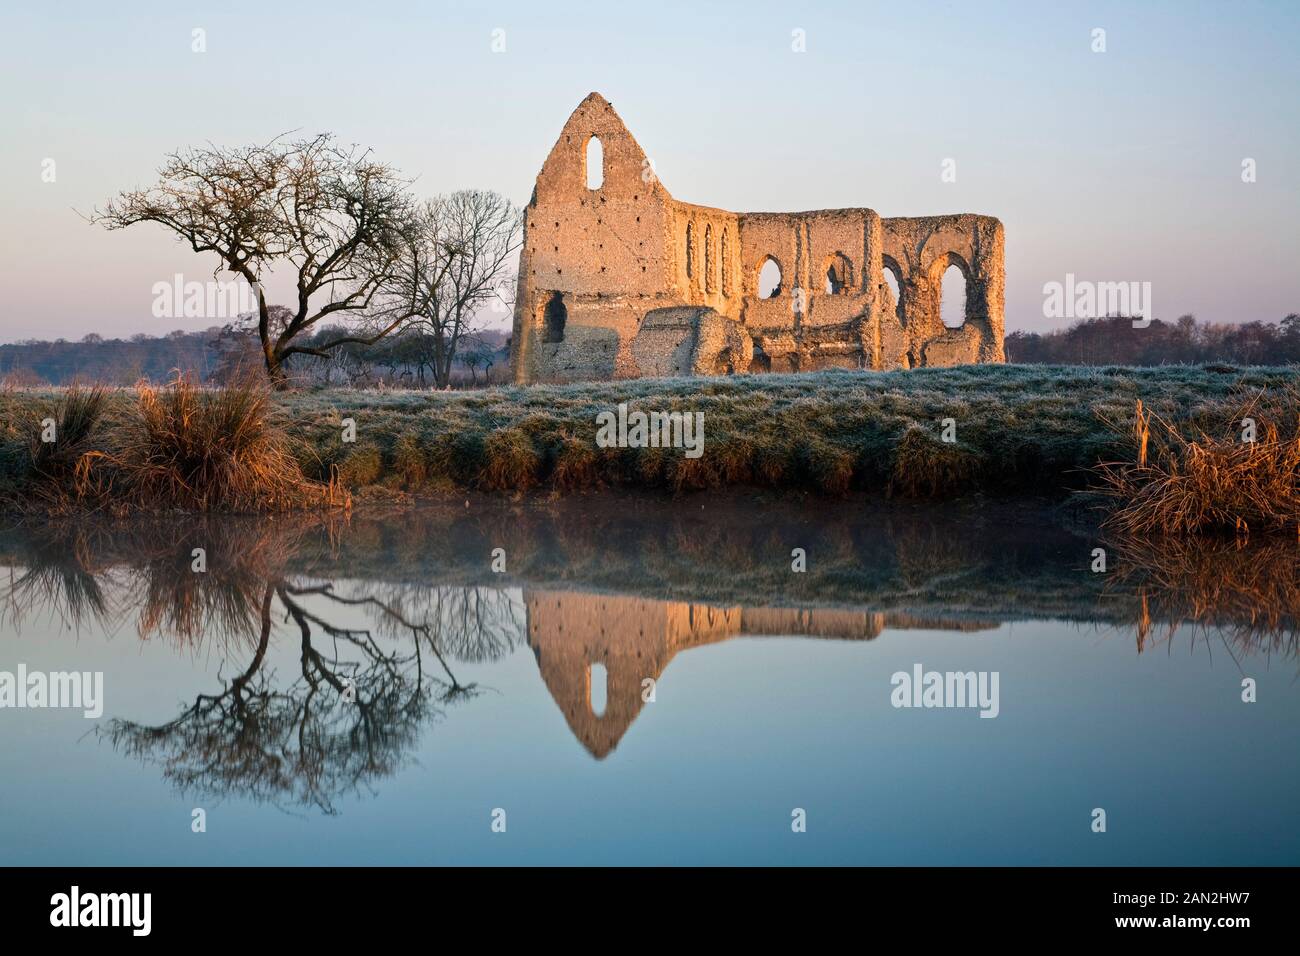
(181, 448)
(1186, 481)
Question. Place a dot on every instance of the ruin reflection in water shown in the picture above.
(340, 640)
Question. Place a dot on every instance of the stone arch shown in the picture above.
(940, 267)
(594, 154)
(554, 317)
(889, 266)
(945, 260)
(764, 277)
(837, 269)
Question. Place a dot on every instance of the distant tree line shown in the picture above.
(416, 356)
(219, 354)
(111, 361)
(1114, 341)
(413, 357)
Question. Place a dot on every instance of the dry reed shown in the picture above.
(1184, 480)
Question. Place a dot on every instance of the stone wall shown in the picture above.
(620, 280)
(919, 251)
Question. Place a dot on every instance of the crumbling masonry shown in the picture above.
(623, 281)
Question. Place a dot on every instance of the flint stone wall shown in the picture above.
(623, 281)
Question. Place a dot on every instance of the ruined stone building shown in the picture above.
(635, 638)
(619, 280)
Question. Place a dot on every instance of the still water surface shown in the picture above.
(370, 690)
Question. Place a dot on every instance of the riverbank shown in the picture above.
(923, 434)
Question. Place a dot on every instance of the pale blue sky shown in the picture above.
(1123, 165)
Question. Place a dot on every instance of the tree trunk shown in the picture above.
(276, 372)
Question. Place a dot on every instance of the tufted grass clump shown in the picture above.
(197, 449)
(42, 444)
(925, 467)
(511, 463)
(57, 443)
(1242, 476)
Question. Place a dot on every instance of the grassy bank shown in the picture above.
(1018, 429)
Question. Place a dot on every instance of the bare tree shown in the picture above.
(332, 215)
(458, 262)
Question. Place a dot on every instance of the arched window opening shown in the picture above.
(891, 280)
(952, 302)
(554, 318)
(726, 261)
(839, 275)
(690, 251)
(709, 281)
(769, 279)
(595, 163)
(599, 680)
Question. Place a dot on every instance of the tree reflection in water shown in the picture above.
(349, 715)
(375, 646)
(346, 721)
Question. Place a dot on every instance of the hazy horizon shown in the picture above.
(1117, 166)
